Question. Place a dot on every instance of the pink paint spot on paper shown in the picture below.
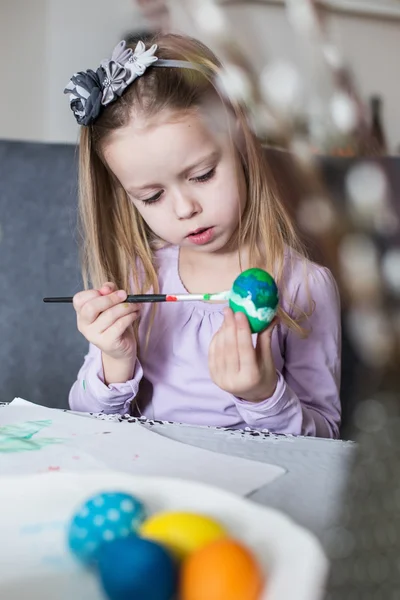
(76, 457)
(53, 468)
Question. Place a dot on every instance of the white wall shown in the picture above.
(55, 38)
(22, 87)
(77, 44)
(58, 37)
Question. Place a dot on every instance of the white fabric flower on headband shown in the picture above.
(123, 68)
(139, 60)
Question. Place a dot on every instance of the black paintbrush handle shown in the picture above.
(131, 298)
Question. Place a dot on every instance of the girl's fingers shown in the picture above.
(264, 340)
(218, 354)
(119, 326)
(107, 288)
(113, 314)
(86, 295)
(215, 357)
(91, 310)
(246, 351)
(83, 297)
(230, 349)
(211, 356)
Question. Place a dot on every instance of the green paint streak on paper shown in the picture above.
(84, 385)
(19, 437)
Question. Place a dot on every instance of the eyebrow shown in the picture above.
(213, 156)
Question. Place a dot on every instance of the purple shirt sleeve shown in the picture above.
(90, 394)
(306, 400)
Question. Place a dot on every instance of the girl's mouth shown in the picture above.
(201, 236)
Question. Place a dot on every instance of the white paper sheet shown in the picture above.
(37, 439)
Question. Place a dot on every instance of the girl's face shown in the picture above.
(186, 182)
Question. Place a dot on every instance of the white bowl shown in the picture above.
(34, 512)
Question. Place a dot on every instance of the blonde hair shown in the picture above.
(117, 244)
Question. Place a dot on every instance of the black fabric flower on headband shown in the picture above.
(90, 91)
(86, 91)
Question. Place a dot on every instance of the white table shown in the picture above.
(311, 492)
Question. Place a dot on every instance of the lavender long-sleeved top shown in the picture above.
(172, 382)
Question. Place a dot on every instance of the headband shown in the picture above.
(90, 91)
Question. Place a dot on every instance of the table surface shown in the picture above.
(317, 470)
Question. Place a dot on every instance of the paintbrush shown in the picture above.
(140, 298)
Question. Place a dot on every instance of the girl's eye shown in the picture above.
(206, 177)
(153, 199)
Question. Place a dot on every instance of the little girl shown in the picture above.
(176, 197)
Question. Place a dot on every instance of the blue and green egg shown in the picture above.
(255, 293)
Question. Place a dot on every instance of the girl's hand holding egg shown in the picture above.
(236, 366)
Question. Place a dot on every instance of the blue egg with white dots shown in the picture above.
(102, 519)
(134, 568)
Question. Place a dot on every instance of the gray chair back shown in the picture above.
(41, 349)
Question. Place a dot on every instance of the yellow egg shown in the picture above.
(222, 570)
(182, 532)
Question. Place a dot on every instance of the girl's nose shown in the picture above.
(185, 205)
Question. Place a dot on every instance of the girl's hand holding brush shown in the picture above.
(105, 319)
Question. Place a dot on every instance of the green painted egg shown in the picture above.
(255, 294)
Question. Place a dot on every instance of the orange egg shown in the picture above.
(222, 570)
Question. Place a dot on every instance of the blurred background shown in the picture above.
(43, 42)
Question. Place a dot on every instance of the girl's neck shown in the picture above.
(201, 272)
